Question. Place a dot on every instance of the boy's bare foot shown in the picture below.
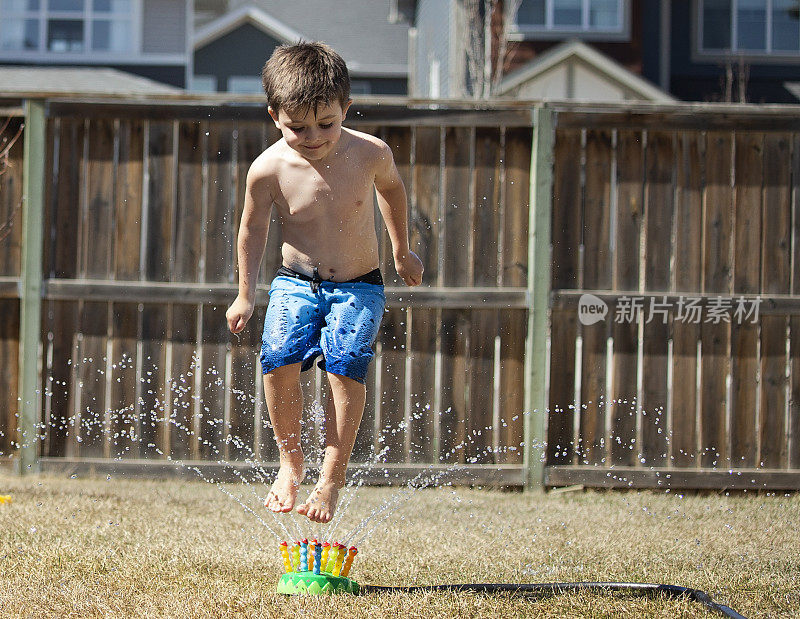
(321, 503)
(282, 495)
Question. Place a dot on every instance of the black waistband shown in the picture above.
(373, 277)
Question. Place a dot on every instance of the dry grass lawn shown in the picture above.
(128, 548)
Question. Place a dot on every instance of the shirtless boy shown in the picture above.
(327, 299)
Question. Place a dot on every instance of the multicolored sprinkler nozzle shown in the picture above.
(287, 562)
(316, 567)
(351, 555)
(337, 567)
(326, 548)
(312, 548)
(318, 559)
(304, 555)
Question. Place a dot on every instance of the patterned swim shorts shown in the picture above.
(338, 320)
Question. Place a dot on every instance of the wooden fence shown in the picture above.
(684, 223)
(681, 221)
(141, 209)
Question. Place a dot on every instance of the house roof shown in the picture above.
(17, 80)
(793, 87)
(601, 66)
(359, 30)
(244, 15)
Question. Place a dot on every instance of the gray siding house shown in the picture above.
(233, 40)
(149, 38)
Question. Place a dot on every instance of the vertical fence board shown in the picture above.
(62, 319)
(455, 329)
(486, 233)
(517, 194)
(128, 211)
(180, 389)
(687, 271)
(659, 211)
(11, 197)
(424, 224)
(717, 211)
(9, 374)
(746, 274)
(153, 378)
(793, 430)
(456, 206)
(188, 218)
(566, 240)
(160, 199)
(66, 198)
(512, 381)
(481, 385)
(91, 368)
(215, 349)
(486, 223)
(242, 403)
(514, 267)
(775, 279)
(122, 407)
(392, 398)
(423, 335)
(630, 196)
(96, 228)
(218, 229)
(399, 140)
(596, 276)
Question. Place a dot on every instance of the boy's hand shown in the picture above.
(409, 268)
(238, 314)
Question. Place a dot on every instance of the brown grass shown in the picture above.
(124, 548)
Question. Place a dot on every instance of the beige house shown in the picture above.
(576, 71)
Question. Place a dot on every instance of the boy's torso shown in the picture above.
(326, 209)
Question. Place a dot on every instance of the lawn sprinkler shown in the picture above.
(314, 568)
(317, 568)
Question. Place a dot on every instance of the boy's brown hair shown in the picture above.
(305, 75)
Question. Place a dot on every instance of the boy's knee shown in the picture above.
(283, 375)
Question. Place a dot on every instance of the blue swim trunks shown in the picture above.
(310, 317)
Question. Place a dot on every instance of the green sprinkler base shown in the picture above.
(309, 583)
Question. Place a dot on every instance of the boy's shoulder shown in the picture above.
(365, 140)
(366, 146)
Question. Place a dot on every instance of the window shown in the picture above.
(749, 27)
(560, 17)
(75, 27)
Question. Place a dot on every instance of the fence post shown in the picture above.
(538, 295)
(31, 285)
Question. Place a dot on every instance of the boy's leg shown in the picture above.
(285, 405)
(346, 399)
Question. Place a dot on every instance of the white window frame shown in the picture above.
(551, 31)
(87, 16)
(767, 56)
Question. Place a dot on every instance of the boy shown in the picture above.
(327, 299)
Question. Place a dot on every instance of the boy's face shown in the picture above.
(312, 133)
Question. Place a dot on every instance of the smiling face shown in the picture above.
(312, 133)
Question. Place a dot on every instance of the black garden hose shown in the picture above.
(672, 591)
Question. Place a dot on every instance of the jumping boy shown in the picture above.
(327, 299)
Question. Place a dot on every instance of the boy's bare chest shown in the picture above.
(336, 195)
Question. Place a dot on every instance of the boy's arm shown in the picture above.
(392, 202)
(250, 244)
